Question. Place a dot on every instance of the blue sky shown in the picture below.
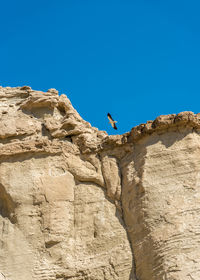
(136, 59)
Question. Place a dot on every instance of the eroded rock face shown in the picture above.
(78, 204)
(161, 195)
(56, 220)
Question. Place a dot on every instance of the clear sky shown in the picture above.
(136, 59)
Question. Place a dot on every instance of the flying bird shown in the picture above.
(111, 121)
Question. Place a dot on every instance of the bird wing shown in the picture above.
(114, 126)
(109, 117)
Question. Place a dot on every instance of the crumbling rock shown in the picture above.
(78, 204)
(39, 99)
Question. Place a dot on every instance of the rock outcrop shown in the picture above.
(78, 204)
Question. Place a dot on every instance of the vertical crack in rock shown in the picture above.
(111, 168)
(133, 197)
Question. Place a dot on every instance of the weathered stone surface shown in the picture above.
(161, 205)
(56, 221)
(78, 204)
(2, 277)
(112, 177)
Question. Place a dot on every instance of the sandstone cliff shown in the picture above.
(78, 204)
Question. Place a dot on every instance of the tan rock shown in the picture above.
(78, 204)
(112, 177)
(2, 277)
(55, 222)
(58, 188)
(53, 90)
(160, 201)
(83, 171)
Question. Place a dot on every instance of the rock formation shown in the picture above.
(78, 204)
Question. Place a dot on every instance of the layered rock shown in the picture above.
(77, 204)
(57, 221)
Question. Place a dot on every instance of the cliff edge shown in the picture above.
(78, 204)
